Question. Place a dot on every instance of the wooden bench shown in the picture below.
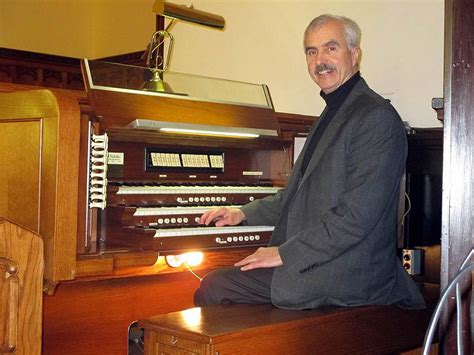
(264, 329)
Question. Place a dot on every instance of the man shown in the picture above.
(334, 241)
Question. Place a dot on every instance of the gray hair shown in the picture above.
(351, 29)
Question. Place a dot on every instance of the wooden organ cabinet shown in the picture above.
(112, 195)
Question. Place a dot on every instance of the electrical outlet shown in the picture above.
(412, 259)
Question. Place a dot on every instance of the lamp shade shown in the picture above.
(188, 14)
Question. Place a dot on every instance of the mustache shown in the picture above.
(322, 67)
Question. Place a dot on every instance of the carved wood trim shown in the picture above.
(37, 69)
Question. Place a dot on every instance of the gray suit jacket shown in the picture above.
(336, 225)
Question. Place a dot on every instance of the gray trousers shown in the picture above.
(230, 285)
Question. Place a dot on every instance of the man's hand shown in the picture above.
(263, 257)
(223, 217)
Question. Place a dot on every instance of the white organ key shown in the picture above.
(179, 232)
(160, 211)
(166, 190)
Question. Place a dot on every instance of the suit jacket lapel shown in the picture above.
(279, 233)
(339, 118)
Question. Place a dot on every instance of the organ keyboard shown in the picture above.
(188, 195)
(172, 222)
(162, 216)
(171, 240)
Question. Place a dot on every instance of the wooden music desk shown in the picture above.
(264, 329)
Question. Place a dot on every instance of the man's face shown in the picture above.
(330, 61)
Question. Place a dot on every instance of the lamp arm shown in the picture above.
(154, 60)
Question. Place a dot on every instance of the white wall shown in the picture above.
(122, 26)
(402, 43)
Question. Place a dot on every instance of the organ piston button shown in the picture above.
(246, 238)
(173, 220)
(257, 237)
(191, 199)
(224, 198)
(241, 238)
(218, 240)
(201, 199)
(208, 199)
(167, 220)
(160, 220)
(235, 239)
(229, 239)
(197, 219)
(251, 198)
(252, 237)
(180, 220)
(185, 220)
(213, 198)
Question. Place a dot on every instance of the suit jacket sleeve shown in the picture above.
(375, 159)
(264, 211)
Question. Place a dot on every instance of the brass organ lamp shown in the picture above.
(155, 61)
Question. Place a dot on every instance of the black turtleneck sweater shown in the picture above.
(334, 101)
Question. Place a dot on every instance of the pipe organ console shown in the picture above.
(163, 214)
(148, 187)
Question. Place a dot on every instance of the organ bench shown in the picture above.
(264, 329)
